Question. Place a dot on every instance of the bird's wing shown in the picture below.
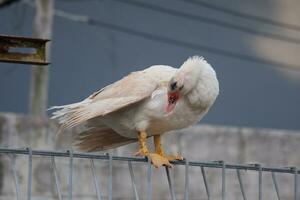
(127, 91)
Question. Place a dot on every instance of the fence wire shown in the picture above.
(110, 158)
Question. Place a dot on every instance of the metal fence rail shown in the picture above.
(110, 158)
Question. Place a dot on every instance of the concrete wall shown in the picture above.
(198, 143)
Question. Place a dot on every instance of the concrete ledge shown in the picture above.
(199, 143)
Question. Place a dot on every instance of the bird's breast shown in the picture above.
(182, 115)
(150, 116)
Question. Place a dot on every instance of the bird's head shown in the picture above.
(175, 86)
(192, 72)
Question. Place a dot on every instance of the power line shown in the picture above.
(243, 15)
(101, 24)
(209, 21)
(171, 41)
(5, 3)
(72, 1)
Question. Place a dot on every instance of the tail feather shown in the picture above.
(99, 139)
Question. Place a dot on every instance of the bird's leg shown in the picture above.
(159, 158)
(159, 151)
(143, 150)
(157, 145)
(156, 159)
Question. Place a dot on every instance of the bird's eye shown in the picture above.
(173, 85)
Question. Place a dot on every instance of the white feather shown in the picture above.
(137, 102)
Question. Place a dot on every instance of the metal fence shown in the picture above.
(110, 158)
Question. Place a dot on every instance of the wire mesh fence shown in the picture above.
(219, 165)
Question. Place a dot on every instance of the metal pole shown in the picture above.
(186, 187)
(42, 28)
(205, 183)
(170, 182)
(295, 184)
(241, 184)
(149, 180)
(29, 183)
(57, 184)
(95, 180)
(15, 175)
(133, 181)
(259, 181)
(110, 177)
(70, 189)
(275, 185)
(223, 180)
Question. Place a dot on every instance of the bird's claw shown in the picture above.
(174, 157)
(158, 160)
(141, 152)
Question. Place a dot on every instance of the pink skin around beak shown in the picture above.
(172, 100)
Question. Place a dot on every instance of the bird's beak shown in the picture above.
(172, 100)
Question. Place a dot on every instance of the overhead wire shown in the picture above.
(170, 41)
(78, 1)
(243, 14)
(207, 20)
(6, 3)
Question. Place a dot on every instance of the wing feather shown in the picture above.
(127, 91)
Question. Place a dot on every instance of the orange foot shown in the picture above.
(173, 157)
(158, 160)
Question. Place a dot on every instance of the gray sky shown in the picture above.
(86, 58)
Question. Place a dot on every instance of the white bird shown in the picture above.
(145, 103)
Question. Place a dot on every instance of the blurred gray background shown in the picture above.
(253, 60)
(86, 58)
